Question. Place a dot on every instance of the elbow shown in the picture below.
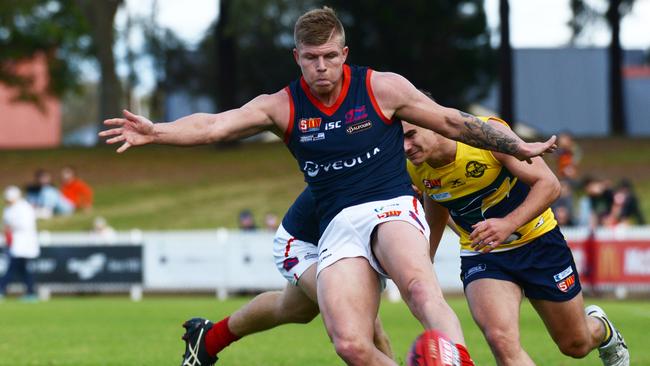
(555, 189)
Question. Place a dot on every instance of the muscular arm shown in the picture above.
(265, 112)
(544, 189)
(397, 97)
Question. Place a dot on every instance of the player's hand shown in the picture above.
(530, 150)
(490, 233)
(132, 130)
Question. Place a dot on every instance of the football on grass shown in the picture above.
(433, 348)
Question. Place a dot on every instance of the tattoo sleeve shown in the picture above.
(482, 135)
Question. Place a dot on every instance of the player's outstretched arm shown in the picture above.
(258, 115)
(398, 97)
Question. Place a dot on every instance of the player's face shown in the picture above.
(322, 66)
(417, 143)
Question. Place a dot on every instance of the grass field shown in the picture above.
(116, 331)
(159, 188)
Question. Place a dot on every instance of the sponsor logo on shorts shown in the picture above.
(440, 196)
(564, 274)
(312, 137)
(313, 169)
(388, 214)
(478, 268)
(290, 263)
(356, 114)
(567, 284)
(309, 124)
(361, 126)
(432, 183)
(382, 208)
(311, 256)
(475, 169)
(325, 257)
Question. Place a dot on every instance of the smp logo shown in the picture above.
(313, 169)
(356, 114)
(567, 284)
(309, 124)
(89, 267)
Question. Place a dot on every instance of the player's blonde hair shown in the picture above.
(317, 27)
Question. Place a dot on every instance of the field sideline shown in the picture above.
(115, 331)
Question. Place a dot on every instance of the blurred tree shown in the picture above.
(101, 16)
(506, 95)
(443, 47)
(55, 28)
(439, 45)
(585, 15)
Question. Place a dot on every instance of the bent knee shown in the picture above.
(418, 291)
(576, 348)
(504, 344)
(353, 350)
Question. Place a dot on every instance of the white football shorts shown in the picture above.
(348, 235)
(292, 255)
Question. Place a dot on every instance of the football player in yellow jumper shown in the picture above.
(510, 245)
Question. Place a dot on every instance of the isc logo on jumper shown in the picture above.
(309, 124)
(356, 114)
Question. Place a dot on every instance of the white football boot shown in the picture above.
(614, 352)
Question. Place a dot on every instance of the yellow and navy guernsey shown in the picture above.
(475, 187)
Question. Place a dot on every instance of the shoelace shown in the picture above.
(193, 358)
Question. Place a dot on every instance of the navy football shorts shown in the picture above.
(543, 268)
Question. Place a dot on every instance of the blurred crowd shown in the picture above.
(72, 194)
(591, 201)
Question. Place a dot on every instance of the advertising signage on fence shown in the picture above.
(115, 264)
(615, 262)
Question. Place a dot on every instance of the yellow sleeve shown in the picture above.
(415, 177)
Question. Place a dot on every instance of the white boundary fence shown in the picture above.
(223, 261)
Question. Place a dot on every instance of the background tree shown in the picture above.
(506, 94)
(439, 45)
(585, 16)
(56, 29)
(101, 16)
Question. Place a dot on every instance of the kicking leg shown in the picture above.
(403, 252)
(348, 296)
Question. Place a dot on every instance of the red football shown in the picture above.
(433, 348)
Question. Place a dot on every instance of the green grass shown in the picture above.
(162, 188)
(116, 331)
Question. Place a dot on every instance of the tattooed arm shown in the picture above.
(398, 98)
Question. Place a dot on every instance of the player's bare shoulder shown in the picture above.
(276, 106)
(391, 90)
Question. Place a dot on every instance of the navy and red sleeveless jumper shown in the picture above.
(350, 153)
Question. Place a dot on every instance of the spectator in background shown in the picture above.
(568, 156)
(246, 221)
(625, 207)
(46, 198)
(76, 190)
(597, 202)
(563, 206)
(271, 221)
(19, 222)
(103, 231)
